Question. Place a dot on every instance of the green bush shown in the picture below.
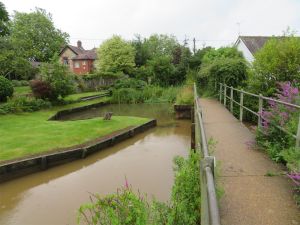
(6, 89)
(277, 61)
(232, 72)
(186, 191)
(130, 83)
(24, 104)
(292, 158)
(20, 83)
(59, 78)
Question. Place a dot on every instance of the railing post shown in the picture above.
(231, 99)
(225, 87)
(260, 108)
(298, 134)
(241, 105)
(220, 92)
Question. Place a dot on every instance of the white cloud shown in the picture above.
(213, 22)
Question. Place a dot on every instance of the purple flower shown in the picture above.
(126, 183)
(295, 178)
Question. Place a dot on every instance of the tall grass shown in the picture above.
(149, 94)
(185, 95)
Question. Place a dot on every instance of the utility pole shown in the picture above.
(185, 42)
(194, 47)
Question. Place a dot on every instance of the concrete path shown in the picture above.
(250, 198)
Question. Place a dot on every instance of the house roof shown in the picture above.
(86, 54)
(254, 43)
(80, 53)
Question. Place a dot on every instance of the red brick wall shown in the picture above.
(83, 69)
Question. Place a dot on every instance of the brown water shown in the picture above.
(53, 196)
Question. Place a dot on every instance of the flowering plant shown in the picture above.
(276, 118)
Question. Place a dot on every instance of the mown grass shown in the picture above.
(28, 134)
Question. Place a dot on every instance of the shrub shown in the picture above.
(24, 82)
(59, 78)
(24, 104)
(20, 83)
(274, 140)
(186, 191)
(130, 83)
(41, 89)
(292, 157)
(163, 71)
(277, 61)
(16, 83)
(6, 89)
(122, 208)
(231, 71)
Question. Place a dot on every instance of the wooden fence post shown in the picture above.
(231, 99)
(220, 92)
(260, 108)
(225, 87)
(298, 134)
(241, 105)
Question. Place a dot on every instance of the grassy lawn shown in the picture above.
(30, 133)
(22, 90)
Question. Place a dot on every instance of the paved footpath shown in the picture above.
(250, 198)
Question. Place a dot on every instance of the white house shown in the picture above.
(249, 45)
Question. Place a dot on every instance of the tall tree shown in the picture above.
(115, 55)
(35, 35)
(12, 65)
(159, 45)
(4, 18)
(142, 52)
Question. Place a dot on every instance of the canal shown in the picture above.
(53, 196)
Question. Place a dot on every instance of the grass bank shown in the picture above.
(28, 134)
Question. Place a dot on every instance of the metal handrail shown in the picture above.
(223, 96)
(209, 205)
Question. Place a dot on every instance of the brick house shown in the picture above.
(79, 60)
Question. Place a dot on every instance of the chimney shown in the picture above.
(79, 44)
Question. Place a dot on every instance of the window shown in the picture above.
(65, 61)
(76, 65)
(83, 62)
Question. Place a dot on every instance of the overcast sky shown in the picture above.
(211, 22)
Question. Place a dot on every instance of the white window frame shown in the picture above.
(76, 64)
